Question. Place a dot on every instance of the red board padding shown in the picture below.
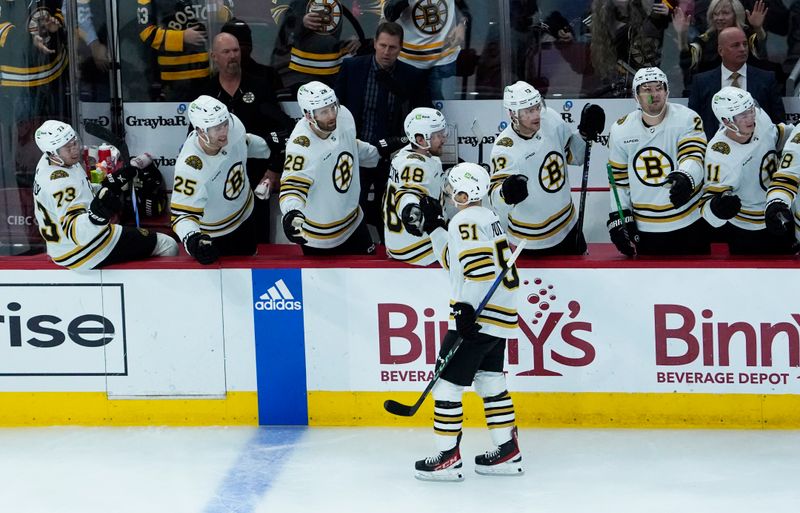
(289, 256)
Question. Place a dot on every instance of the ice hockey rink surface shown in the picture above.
(354, 470)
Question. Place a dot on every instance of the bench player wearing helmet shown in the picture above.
(76, 223)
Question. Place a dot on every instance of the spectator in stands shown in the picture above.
(177, 30)
(252, 99)
(380, 91)
(627, 35)
(734, 71)
(312, 32)
(432, 37)
(701, 54)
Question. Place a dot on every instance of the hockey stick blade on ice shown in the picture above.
(104, 134)
(404, 410)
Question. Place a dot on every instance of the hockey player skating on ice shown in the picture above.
(474, 250)
(739, 162)
(416, 172)
(320, 186)
(656, 155)
(530, 185)
(211, 197)
(74, 222)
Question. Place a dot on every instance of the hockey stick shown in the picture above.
(104, 134)
(403, 410)
(584, 186)
(613, 184)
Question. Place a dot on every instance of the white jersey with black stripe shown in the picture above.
(320, 179)
(744, 169)
(642, 156)
(62, 196)
(211, 193)
(474, 250)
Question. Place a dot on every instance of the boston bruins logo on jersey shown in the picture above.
(331, 12)
(234, 183)
(721, 147)
(796, 138)
(769, 164)
(552, 174)
(506, 141)
(430, 16)
(194, 162)
(58, 173)
(652, 166)
(343, 172)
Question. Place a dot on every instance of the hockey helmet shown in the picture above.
(424, 121)
(53, 135)
(315, 95)
(645, 75)
(469, 178)
(731, 101)
(520, 95)
(207, 112)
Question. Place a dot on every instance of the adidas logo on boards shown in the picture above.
(277, 297)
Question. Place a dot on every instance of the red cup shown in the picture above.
(104, 153)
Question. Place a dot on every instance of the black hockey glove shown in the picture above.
(593, 120)
(119, 181)
(466, 320)
(432, 217)
(725, 205)
(625, 239)
(681, 190)
(778, 218)
(390, 145)
(293, 226)
(202, 248)
(412, 219)
(394, 8)
(514, 189)
(103, 206)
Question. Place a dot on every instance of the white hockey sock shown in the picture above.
(447, 419)
(500, 417)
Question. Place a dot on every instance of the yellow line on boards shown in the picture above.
(96, 409)
(587, 410)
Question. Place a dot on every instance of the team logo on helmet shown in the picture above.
(343, 172)
(430, 16)
(651, 166)
(234, 183)
(552, 175)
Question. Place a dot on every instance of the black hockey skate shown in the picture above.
(505, 460)
(445, 466)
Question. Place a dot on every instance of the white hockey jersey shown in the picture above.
(426, 27)
(62, 196)
(474, 251)
(411, 177)
(641, 157)
(744, 169)
(547, 215)
(320, 179)
(211, 193)
(786, 179)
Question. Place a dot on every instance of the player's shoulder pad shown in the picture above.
(721, 147)
(302, 140)
(58, 173)
(194, 162)
(505, 141)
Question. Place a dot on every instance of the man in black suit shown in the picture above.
(734, 71)
(380, 91)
